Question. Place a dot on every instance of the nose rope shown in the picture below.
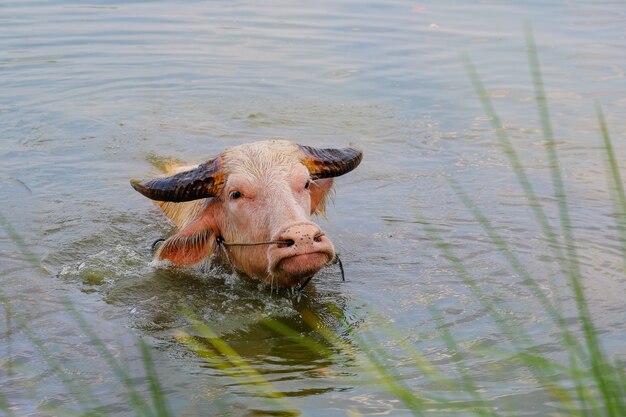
(222, 244)
(220, 241)
(153, 248)
(338, 261)
(300, 288)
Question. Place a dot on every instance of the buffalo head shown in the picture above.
(260, 195)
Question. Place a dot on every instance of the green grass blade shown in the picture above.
(156, 390)
(330, 336)
(78, 391)
(229, 359)
(9, 359)
(598, 359)
(389, 377)
(567, 262)
(134, 399)
(255, 377)
(616, 184)
(573, 347)
(515, 263)
(386, 373)
(620, 370)
(306, 342)
(507, 325)
(555, 170)
(21, 244)
(200, 349)
(518, 168)
(5, 405)
(205, 350)
(615, 383)
(467, 382)
(579, 377)
(424, 365)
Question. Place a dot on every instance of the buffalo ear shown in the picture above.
(319, 194)
(192, 244)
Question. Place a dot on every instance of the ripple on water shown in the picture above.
(89, 92)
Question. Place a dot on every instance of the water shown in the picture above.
(89, 91)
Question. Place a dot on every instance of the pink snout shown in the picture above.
(305, 252)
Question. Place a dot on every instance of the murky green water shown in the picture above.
(90, 90)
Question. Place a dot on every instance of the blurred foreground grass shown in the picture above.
(586, 382)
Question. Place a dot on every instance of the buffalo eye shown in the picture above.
(235, 195)
(308, 183)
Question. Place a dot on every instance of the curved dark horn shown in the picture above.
(204, 181)
(328, 163)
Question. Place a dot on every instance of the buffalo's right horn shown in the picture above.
(330, 162)
(206, 180)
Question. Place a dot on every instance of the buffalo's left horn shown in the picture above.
(204, 181)
(330, 162)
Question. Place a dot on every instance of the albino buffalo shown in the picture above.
(250, 207)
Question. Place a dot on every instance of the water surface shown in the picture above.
(90, 91)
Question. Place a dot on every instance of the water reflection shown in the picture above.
(172, 304)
